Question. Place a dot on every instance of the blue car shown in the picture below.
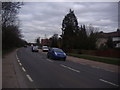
(56, 53)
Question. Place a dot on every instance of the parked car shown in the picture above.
(35, 49)
(56, 53)
(25, 46)
(45, 48)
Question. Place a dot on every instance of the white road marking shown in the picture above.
(23, 69)
(16, 56)
(49, 60)
(109, 82)
(70, 68)
(30, 79)
(20, 64)
(18, 60)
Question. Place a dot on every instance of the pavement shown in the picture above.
(13, 76)
(109, 67)
(9, 78)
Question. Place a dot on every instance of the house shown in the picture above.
(45, 42)
(103, 38)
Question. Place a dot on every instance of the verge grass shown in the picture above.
(115, 61)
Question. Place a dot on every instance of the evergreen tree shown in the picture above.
(92, 40)
(69, 30)
(75, 37)
(82, 38)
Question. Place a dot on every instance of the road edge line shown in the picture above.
(109, 82)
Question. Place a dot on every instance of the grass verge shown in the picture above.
(115, 61)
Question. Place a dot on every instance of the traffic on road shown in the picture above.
(47, 72)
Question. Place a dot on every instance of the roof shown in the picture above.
(55, 48)
(111, 34)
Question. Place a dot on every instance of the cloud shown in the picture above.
(40, 18)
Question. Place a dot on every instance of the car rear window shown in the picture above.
(45, 47)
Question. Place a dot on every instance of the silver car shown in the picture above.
(35, 49)
(45, 48)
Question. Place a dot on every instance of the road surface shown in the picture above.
(46, 73)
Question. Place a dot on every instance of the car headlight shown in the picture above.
(55, 53)
(64, 54)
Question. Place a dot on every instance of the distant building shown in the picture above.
(45, 42)
(103, 37)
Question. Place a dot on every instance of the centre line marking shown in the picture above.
(20, 64)
(109, 82)
(69, 68)
(30, 79)
(23, 69)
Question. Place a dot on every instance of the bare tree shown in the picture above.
(11, 35)
(9, 12)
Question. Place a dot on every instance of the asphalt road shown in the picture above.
(46, 73)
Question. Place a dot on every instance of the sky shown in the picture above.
(43, 19)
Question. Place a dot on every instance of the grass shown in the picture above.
(114, 61)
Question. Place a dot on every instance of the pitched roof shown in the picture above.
(111, 34)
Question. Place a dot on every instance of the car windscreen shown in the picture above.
(58, 50)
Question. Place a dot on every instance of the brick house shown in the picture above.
(103, 37)
(45, 42)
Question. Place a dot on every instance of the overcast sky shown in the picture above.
(40, 18)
